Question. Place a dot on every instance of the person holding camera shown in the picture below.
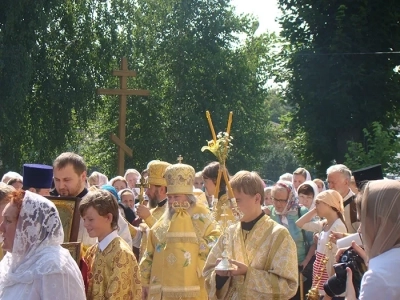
(329, 207)
(378, 207)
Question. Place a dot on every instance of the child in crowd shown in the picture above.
(329, 207)
(113, 269)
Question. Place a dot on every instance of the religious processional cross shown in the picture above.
(179, 159)
(123, 92)
(142, 185)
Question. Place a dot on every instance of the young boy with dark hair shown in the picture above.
(113, 269)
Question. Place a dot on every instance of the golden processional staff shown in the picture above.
(220, 146)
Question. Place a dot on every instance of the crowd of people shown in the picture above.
(197, 235)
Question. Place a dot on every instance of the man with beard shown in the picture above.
(157, 194)
(69, 172)
(178, 243)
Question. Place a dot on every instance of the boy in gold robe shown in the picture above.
(178, 243)
(262, 252)
(113, 269)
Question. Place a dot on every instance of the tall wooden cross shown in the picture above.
(123, 92)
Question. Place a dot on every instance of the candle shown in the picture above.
(211, 125)
(218, 183)
(228, 129)
(230, 191)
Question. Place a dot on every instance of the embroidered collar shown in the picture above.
(249, 225)
(107, 240)
(162, 203)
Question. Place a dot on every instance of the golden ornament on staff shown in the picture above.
(142, 185)
(313, 293)
(220, 146)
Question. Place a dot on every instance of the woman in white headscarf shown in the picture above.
(307, 193)
(36, 267)
(299, 176)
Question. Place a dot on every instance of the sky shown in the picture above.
(264, 10)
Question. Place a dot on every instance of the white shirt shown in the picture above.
(107, 240)
(381, 281)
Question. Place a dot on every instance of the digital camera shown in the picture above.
(336, 285)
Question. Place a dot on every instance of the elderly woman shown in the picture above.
(36, 266)
(286, 211)
(379, 209)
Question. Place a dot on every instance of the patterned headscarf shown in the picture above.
(292, 204)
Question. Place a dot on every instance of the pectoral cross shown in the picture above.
(179, 159)
(123, 92)
(142, 185)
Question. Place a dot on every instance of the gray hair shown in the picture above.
(10, 175)
(132, 171)
(170, 211)
(345, 171)
(191, 199)
(287, 177)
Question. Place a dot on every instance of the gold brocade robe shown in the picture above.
(1, 253)
(155, 214)
(217, 212)
(270, 254)
(154, 258)
(113, 273)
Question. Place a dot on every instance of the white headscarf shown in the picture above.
(308, 178)
(37, 252)
(315, 189)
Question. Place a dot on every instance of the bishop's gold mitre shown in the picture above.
(156, 170)
(180, 179)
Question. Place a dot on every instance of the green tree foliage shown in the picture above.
(380, 147)
(336, 82)
(53, 55)
(278, 157)
(192, 55)
(189, 55)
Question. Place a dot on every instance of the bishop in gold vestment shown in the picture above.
(178, 245)
(270, 254)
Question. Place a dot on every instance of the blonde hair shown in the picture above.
(5, 192)
(93, 178)
(249, 183)
(118, 178)
(301, 171)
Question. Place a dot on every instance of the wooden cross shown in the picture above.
(179, 159)
(123, 92)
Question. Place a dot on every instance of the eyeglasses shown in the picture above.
(279, 200)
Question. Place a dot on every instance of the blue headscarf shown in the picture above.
(112, 190)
